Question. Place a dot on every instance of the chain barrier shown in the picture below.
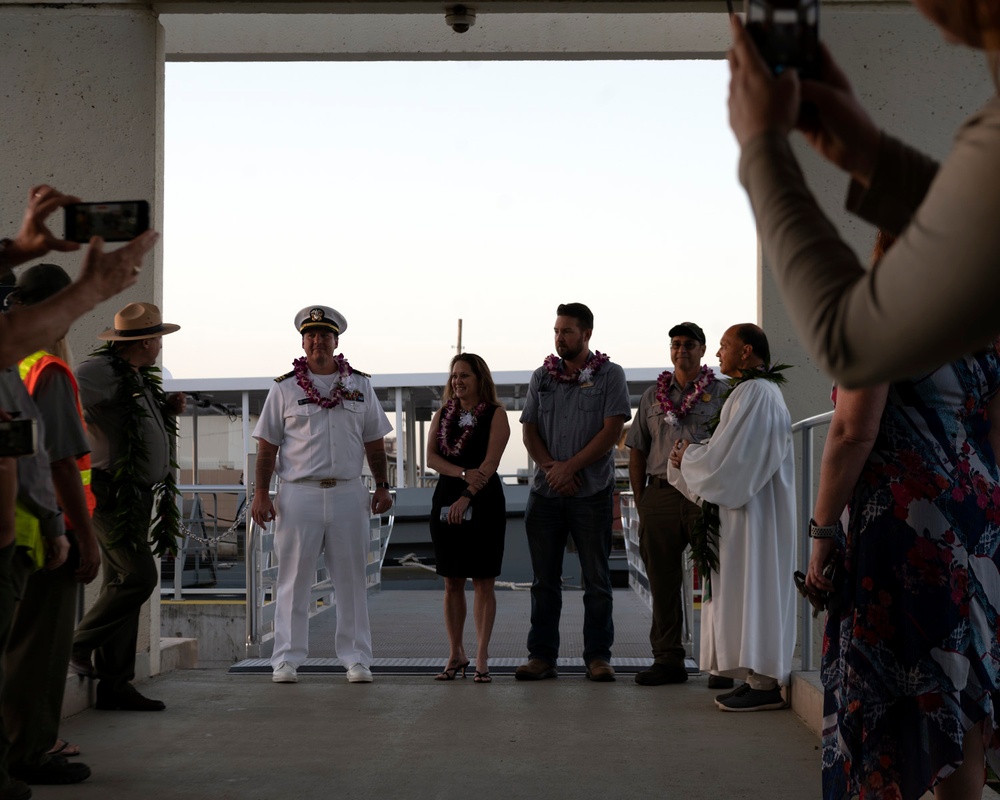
(187, 534)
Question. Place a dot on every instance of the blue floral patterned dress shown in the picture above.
(911, 655)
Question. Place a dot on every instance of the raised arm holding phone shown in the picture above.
(910, 661)
(102, 276)
(936, 293)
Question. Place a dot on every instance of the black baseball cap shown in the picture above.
(687, 329)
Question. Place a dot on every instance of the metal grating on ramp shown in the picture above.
(408, 634)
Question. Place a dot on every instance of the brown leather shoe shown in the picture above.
(600, 670)
(535, 670)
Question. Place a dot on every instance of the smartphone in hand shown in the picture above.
(465, 517)
(18, 437)
(117, 221)
(786, 33)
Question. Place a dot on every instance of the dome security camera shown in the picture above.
(460, 18)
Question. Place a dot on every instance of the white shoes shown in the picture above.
(359, 673)
(285, 673)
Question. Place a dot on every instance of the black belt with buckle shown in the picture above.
(659, 483)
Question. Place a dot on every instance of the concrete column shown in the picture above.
(81, 108)
(917, 87)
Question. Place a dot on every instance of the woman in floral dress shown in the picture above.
(911, 656)
(468, 515)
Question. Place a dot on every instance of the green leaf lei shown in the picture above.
(129, 514)
(705, 536)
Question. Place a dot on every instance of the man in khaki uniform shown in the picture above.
(679, 406)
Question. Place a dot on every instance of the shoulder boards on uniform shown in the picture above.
(280, 378)
(359, 372)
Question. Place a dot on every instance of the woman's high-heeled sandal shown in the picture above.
(449, 673)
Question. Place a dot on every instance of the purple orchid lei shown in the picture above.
(674, 415)
(301, 367)
(452, 416)
(584, 375)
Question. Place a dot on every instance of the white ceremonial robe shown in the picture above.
(748, 469)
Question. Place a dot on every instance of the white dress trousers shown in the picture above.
(335, 521)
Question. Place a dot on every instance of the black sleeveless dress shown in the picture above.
(473, 549)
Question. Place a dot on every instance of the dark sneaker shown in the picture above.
(535, 670)
(15, 790)
(720, 682)
(600, 670)
(126, 699)
(746, 699)
(659, 674)
(56, 771)
(726, 695)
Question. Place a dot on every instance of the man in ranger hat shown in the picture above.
(131, 425)
(678, 406)
(323, 417)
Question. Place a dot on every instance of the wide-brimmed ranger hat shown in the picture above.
(138, 321)
(320, 317)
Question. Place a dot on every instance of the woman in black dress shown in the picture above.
(468, 517)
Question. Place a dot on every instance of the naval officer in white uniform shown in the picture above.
(317, 423)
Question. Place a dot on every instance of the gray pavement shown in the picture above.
(240, 737)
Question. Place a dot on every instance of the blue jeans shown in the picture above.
(548, 521)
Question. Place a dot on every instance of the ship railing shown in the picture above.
(806, 479)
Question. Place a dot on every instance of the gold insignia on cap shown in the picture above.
(317, 315)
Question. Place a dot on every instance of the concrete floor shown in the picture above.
(240, 737)
(230, 736)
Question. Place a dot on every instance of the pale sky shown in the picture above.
(409, 195)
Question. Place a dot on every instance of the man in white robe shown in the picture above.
(747, 469)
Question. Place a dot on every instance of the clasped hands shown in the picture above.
(562, 477)
(677, 452)
(476, 478)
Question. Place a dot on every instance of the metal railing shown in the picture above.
(262, 576)
(637, 569)
(806, 498)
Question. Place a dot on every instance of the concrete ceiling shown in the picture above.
(223, 30)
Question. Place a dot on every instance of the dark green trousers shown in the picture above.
(110, 629)
(666, 523)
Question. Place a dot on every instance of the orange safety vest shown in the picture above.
(31, 369)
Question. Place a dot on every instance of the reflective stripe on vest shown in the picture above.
(28, 534)
(31, 369)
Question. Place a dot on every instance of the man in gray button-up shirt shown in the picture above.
(573, 415)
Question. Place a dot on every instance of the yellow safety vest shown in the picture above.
(27, 528)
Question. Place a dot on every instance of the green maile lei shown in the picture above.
(129, 514)
(705, 537)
